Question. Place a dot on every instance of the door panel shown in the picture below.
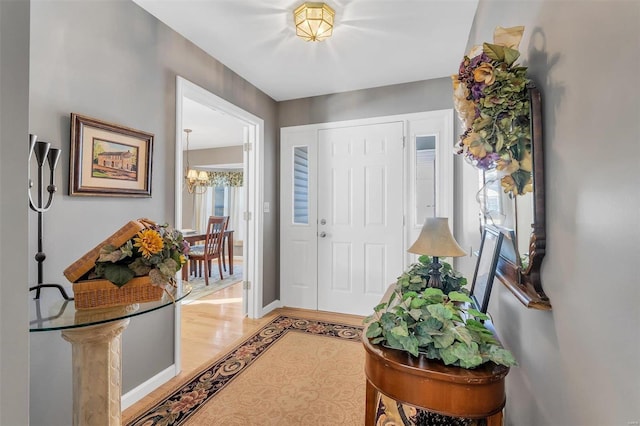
(298, 227)
(361, 201)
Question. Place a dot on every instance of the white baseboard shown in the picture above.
(144, 389)
(271, 306)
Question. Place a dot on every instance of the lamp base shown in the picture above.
(434, 274)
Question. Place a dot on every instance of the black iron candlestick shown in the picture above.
(42, 151)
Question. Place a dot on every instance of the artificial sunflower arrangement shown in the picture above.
(492, 101)
(158, 251)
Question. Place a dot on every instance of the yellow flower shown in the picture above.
(484, 73)
(471, 138)
(183, 259)
(508, 166)
(148, 242)
(509, 185)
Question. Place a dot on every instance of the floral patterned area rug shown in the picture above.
(293, 371)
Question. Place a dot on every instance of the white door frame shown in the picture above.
(254, 156)
(412, 124)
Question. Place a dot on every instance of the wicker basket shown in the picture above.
(104, 294)
(92, 294)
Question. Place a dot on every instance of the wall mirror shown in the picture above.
(522, 221)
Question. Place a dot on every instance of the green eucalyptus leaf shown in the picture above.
(118, 274)
(378, 340)
(400, 330)
(446, 339)
(493, 51)
(502, 356)
(417, 303)
(374, 330)
(430, 352)
(409, 294)
(410, 344)
(510, 55)
(416, 314)
(469, 355)
(448, 355)
(127, 249)
(388, 320)
(430, 292)
(477, 314)
(424, 340)
(380, 307)
(521, 178)
(440, 312)
(430, 325)
(472, 324)
(394, 342)
(139, 267)
(459, 297)
(463, 334)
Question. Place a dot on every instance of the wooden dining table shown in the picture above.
(195, 237)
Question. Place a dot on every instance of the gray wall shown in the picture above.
(113, 61)
(579, 363)
(14, 255)
(405, 98)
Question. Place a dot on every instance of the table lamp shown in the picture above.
(435, 240)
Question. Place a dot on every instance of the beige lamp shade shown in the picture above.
(192, 175)
(436, 240)
(203, 176)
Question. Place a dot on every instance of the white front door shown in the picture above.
(346, 189)
(360, 215)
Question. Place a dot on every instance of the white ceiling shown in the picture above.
(374, 43)
(210, 128)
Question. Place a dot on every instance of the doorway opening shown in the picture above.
(243, 205)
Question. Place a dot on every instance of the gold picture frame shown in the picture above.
(109, 160)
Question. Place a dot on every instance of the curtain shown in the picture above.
(203, 208)
(229, 186)
(234, 206)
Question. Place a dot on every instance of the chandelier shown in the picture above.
(197, 181)
(314, 21)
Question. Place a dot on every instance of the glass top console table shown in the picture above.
(95, 337)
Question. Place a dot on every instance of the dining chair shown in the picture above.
(212, 248)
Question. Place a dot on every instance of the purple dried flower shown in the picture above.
(488, 161)
(475, 62)
(477, 91)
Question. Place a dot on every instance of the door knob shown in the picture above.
(322, 234)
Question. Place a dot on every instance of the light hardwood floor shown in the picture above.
(214, 324)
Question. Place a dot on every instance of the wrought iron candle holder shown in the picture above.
(43, 151)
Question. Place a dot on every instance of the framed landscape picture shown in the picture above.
(486, 267)
(109, 160)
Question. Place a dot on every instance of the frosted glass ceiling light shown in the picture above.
(314, 21)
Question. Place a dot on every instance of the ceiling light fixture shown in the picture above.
(314, 21)
(196, 181)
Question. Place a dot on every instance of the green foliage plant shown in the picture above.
(427, 321)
